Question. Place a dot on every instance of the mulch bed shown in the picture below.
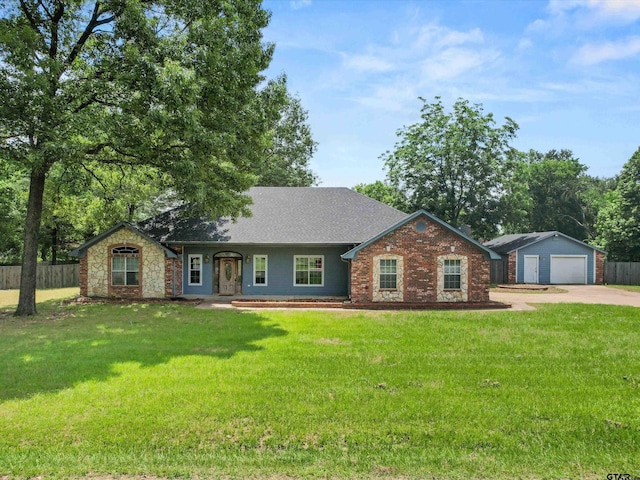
(427, 306)
(130, 301)
(286, 304)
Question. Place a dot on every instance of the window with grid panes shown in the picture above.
(125, 266)
(388, 274)
(308, 270)
(452, 274)
(260, 270)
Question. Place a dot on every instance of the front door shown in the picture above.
(228, 274)
(531, 269)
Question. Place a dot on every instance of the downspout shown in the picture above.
(348, 262)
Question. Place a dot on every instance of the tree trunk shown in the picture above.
(27, 300)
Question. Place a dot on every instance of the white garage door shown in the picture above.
(568, 269)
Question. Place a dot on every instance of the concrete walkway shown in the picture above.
(591, 294)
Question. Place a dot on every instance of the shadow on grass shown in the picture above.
(65, 345)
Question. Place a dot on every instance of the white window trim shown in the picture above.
(459, 275)
(386, 289)
(126, 256)
(266, 271)
(189, 270)
(295, 257)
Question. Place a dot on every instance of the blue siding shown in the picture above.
(279, 273)
(553, 246)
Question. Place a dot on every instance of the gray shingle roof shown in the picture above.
(283, 215)
(509, 243)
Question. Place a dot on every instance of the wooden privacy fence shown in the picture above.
(499, 271)
(622, 273)
(47, 276)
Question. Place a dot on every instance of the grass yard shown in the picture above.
(10, 297)
(631, 288)
(174, 391)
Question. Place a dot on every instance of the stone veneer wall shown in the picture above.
(599, 280)
(420, 252)
(152, 271)
(384, 295)
(461, 295)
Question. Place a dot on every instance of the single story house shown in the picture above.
(300, 242)
(549, 258)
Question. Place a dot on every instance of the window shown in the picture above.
(260, 270)
(452, 275)
(308, 270)
(125, 266)
(388, 274)
(195, 269)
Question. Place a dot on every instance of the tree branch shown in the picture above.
(32, 21)
(93, 23)
(44, 7)
(88, 170)
(55, 19)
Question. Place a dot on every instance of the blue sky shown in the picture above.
(567, 71)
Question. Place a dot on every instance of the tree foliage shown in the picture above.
(384, 193)
(79, 204)
(619, 221)
(289, 144)
(551, 191)
(13, 190)
(170, 84)
(453, 164)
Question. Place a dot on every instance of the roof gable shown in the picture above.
(283, 215)
(81, 250)
(351, 254)
(506, 244)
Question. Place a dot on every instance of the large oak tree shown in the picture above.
(170, 84)
(453, 164)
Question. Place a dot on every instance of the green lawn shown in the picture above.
(10, 297)
(631, 288)
(173, 391)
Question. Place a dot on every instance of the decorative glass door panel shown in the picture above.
(227, 276)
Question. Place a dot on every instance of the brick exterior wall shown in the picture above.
(169, 276)
(84, 275)
(420, 251)
(599, 280)
(511, 268)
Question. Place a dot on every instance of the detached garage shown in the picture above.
(549, 258)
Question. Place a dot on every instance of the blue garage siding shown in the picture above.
(280, 280)
(553, 246)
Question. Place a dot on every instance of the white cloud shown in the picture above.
(366, 63)
(437, 36)
(628, 10)
(298, 4)
(455, 62)
(398, 96)
(591, 53)
(525, 43)
(428, 59)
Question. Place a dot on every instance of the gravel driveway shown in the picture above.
(575, 294)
